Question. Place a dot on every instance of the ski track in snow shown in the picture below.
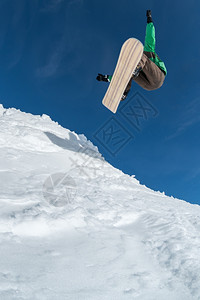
(74, 227)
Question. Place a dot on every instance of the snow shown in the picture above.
(74, 227)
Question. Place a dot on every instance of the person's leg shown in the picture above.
(151, 77)
(140, 65)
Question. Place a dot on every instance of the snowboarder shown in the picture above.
(151, 71)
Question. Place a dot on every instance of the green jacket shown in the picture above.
(149, 46)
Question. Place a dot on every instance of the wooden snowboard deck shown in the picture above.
(130, 55)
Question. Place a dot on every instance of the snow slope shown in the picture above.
(73, 227)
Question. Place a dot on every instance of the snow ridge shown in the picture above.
(74, 227)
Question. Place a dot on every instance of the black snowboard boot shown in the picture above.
(124, 96)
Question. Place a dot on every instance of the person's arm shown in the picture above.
(150, 37)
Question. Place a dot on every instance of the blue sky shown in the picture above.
(51, 52)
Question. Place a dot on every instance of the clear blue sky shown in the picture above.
(52, 50)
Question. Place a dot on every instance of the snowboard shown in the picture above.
(129, 57)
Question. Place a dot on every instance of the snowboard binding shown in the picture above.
(137, 72)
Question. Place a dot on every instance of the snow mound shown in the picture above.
(74, 227)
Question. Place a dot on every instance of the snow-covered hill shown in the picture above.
(73, 227)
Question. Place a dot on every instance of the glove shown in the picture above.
(149, 17)
(101, 77)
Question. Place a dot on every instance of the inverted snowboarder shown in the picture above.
(151, 71)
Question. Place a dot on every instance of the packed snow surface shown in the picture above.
(74, 227)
